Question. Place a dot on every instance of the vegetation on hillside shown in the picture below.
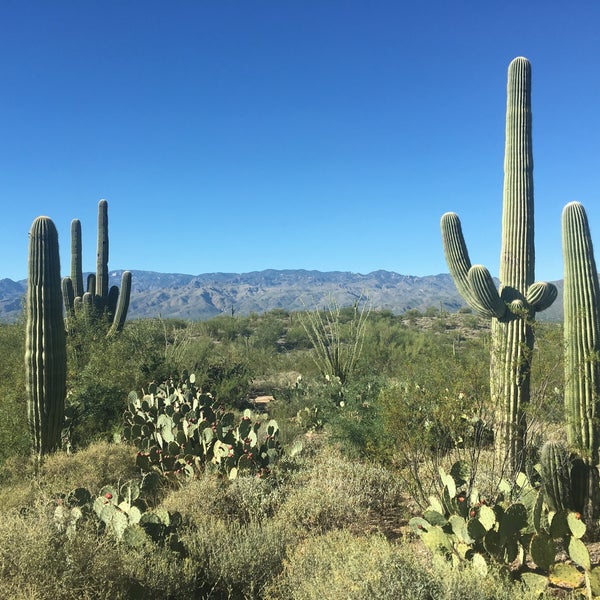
(359, 458)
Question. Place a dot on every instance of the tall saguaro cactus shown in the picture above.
(512, 308)
(99, 300)
(582, 334)
(45, 350)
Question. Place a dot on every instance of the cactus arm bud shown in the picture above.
(91, 283)
(541, 295)
(555, 468)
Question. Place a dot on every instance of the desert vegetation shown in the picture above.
(328, 518)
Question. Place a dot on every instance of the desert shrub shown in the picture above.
(232, 560)
(333, 493)
(356, 424)
(39, 562)
(341, 566)
(102, 371)
(243, 500)
(98, 464)
(22, 481)
(547, 376)
(14, 433)
(251, 499)
(235, 550)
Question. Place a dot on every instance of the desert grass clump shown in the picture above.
(14, 432)
(340, 565)
(98, 464)
(235, 561)
(332, 493)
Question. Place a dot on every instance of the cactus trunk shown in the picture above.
(512, 337)
(45, 351)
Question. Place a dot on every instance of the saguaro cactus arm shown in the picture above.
(45, 350)
(474, 284)
(122, 304)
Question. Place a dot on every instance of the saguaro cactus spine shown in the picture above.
(513, 306)
(98, 300)
(45, 350)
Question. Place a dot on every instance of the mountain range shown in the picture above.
(199, 297)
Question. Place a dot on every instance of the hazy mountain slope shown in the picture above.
(173, 295)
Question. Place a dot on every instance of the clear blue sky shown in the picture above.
(320, 134)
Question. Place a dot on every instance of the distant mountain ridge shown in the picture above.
(174, 295)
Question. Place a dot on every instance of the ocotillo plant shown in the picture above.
(582, 344)
(513, 306)
(99, 301)
(45, 350)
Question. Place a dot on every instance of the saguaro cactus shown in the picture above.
(582, 348)
(581, 332)
(99, 300)
(555, 464)
(512, 307)
(45, 350)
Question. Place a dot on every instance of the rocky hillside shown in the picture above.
(172, 295)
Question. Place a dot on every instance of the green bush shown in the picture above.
(14, 431)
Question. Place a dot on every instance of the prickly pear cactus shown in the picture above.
(45, 350)
(179, 429)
